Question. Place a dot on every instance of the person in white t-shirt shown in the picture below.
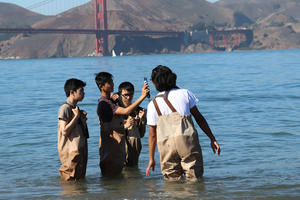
(171, 127)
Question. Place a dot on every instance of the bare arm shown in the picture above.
(201, 121)
(66, 128)
(129, 109)
(152, 146)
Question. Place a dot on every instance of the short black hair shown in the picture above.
(102, 78)
(73, 84)
(126, 86)
(163, 78)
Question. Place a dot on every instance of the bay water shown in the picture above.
(251, 100)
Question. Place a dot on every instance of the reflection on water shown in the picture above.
(132, 173)
(72, 189)
(132, 184)
(183, 189)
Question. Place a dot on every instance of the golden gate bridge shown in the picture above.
(218, 39)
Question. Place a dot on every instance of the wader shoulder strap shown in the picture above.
(156, 107)
(168, 102)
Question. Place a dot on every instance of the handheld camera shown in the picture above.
(146, 81)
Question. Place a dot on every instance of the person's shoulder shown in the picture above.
(150, 104)
(100, 102)
(180, 91)
(183, 90)
(103, 104)
(106, 100)
(107, 104)
(186, 91)
(101, 99)
(64, 106)
(64, 112)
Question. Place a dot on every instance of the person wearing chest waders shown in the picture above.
(134, 124)
(112, 133)
(169, 117)
(72, 133)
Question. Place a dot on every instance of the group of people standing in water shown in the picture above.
(123, 124)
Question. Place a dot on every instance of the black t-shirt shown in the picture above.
(106, 109)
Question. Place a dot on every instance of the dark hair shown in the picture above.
(73, 84)
(126, 86)
(163, 78)
(102, 78)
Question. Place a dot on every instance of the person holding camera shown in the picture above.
(134, 124)
(112, 133)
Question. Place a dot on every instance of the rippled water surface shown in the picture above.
(250, 99)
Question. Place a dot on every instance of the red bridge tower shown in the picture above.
(101, 24)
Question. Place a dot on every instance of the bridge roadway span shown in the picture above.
(90, 31)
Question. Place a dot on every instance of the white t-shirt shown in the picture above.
(181, 99)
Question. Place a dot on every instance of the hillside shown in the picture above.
(12, 16)
(122, 14)
(276, 23)
(257, 9)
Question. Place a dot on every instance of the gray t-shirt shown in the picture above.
(65, 112)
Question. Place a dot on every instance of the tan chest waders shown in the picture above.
(133, 145)
(73, 152)
(178, 144)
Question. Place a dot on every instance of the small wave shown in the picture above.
(281, 133)
(222, 99)
(293, 97)
(88, 104)
(278, 133)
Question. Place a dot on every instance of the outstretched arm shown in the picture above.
(201, 121)
(129, 109)
(152, 145)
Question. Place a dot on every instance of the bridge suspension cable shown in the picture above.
(56, 5)
(39, 4)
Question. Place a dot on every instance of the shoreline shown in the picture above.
(139, 54)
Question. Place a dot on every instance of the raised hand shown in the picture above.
(145, 90)
(141, 113)
(114, 96)
(129, 122)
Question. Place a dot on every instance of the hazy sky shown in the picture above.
(51, 7)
